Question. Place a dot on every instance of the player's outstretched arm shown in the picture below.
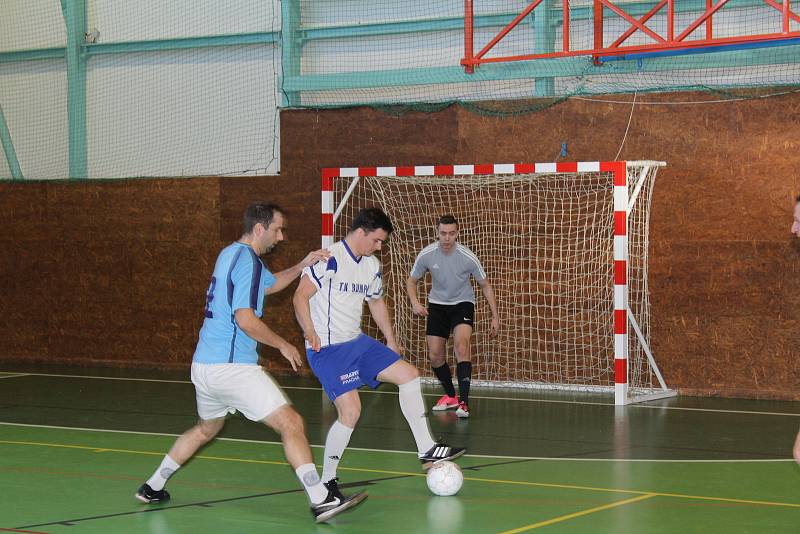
(380, 313)
(302, 311)
(411, 291)
(287, 276)
(797, 448)
(488, 292)
(258, 330)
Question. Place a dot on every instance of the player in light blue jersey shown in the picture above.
(329, 304)
(451, 309)
(225, 370)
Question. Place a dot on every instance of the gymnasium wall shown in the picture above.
(115, 272)
(724, 266)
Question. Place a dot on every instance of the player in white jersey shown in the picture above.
(225, 369)
(329, 304)
(451, 309)
(796, 450)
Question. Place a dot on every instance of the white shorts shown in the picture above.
(226, 387)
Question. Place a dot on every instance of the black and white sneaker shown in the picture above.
(336, 502)
(333, 487)
(439, 453)
(148, 495)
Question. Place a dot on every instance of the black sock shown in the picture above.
(445, 376)
(464, 373)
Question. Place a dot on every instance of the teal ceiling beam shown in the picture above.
(539, 68)
(438, 75)
(32, 55)
(160, 45)
(74, 12)
(291, 50)
(8, 148)
(544, 34)
(349, 31)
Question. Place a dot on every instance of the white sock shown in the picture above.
(335, 444)
(165, 470)
(307, 473)
(413, 408)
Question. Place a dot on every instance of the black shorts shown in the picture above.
(443, 318)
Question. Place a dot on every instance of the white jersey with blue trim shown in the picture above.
(240, 280)
(343, 283)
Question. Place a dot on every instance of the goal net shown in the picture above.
(564, 246)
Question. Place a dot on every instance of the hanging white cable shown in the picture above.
(633, 105)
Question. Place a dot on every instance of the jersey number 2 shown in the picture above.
(210, 297)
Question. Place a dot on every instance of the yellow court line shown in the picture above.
(727, 499)
(406, 473)
(578, 514)
(201, 456)
(127, 451)
(557, 486)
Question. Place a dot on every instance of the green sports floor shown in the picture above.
(75, 443)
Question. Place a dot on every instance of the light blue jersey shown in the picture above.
(239, 281)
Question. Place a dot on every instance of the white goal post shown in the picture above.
(565, 249)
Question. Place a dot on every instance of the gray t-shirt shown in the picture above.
(449, 273)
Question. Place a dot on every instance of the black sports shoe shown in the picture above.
(333, 487)
(439, 453)
(335, 503)
(148, 495)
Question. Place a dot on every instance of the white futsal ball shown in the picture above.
(445, 478)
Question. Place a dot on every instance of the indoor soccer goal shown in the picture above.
(564, 246)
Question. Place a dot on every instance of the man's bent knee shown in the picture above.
(349, 417)
(399, 372)
(411, 373)
(462, 351)
(348, 406)
(206, 430)
(437, 360)
(285, 419)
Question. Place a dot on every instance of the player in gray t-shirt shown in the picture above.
(451, 309)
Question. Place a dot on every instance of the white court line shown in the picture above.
(278, 443)
(105, 378)
(14, 375)
(550, 401)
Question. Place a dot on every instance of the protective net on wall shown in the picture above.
(111, 88)
(146, 88)
(378, 52)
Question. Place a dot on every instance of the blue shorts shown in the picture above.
(347, 366)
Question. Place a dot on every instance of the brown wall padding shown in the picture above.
(115, 272)
(99, 272)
